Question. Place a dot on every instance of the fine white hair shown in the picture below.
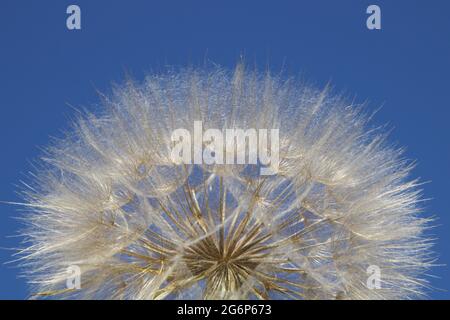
(108, 199)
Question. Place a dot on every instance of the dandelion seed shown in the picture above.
(109, 199)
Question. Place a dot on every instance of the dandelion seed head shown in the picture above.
(108, 198)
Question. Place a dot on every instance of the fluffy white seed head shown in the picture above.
(109, 199)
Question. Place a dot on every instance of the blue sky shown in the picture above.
(403, 67)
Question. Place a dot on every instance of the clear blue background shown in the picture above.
(405, 67)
